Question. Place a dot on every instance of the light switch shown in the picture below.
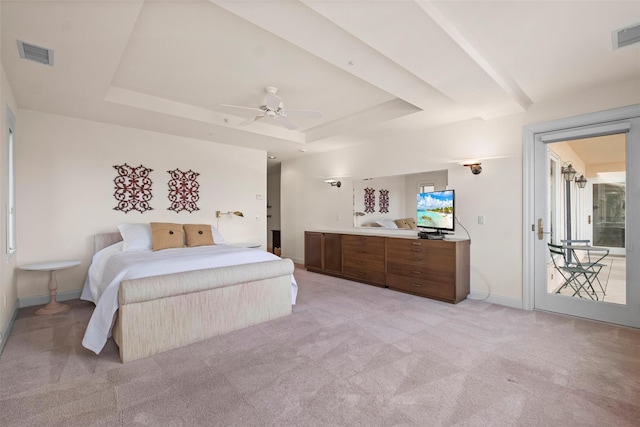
(481, 219)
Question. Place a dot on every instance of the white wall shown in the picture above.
(8, 291)
(65, 189)
(496, 250)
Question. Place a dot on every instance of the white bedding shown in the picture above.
(111, 265)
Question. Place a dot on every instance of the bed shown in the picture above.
(154, 301)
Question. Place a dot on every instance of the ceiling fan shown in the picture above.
(273, 107)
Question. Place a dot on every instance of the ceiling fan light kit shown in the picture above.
(273, 107)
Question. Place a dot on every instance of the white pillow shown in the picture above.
(217, 237)
(387, 223)
(136, 237)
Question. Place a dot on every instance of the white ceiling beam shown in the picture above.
(432, 50)
(499, 75)
(178, 109)
(301, 26)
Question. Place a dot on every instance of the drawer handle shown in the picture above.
(416, 243)
(361, 262)
(416, 249)
(416, 259)
(416, 272)
(416, 285)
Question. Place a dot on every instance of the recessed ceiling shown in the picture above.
(600, 150)
(167, 66)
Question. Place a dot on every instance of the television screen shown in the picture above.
(436, 210)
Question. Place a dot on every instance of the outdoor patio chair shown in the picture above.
(575, 277)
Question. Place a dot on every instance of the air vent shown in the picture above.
(626, 36)
(35, 53)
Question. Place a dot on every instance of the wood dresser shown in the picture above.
(437, 269)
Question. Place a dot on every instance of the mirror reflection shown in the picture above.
(390, 202)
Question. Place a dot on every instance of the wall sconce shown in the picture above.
(475, 167)
(568, 172)
(230, 213)
(581, 181)
(333, 182)
(236, 213)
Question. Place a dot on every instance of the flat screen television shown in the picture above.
(436, 211)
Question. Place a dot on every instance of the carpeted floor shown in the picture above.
(350, 355)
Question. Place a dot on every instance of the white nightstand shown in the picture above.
(246, 244)
(53, 306)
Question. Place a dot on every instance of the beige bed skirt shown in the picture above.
(161, 313)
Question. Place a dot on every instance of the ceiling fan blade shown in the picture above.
(273, 101)
(286, 122)
(243, 107)
(251, 120)
(310, 114)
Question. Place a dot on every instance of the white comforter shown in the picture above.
(111, 265)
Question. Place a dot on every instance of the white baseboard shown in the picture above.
(496, 299)
(6, 328)
(44, 299)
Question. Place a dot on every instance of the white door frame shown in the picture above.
(565, 129)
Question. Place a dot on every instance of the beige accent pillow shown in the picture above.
(165, 235)
(402, 223)
(411, 222)
(198, 235)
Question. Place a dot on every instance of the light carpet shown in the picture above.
(349, 355)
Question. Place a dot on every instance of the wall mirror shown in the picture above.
(389, 202)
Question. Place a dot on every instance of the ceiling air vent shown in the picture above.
(626, 36)
(35, 53)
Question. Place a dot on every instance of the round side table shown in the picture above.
(53, 306)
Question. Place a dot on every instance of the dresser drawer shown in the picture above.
(363, 244)
(443, 291)
(399, 243)
(363, 263)
(421, 250)
(363, 252)
(375, 277)
(361, 240)
(436, 273)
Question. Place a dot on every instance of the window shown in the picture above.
(426, 188)
(11, 184)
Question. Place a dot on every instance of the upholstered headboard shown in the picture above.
(101, 241)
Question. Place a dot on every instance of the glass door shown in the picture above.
(582, 232)
(591, 210)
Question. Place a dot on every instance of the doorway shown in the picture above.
(564, 209)
(586, 199)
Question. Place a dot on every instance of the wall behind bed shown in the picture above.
(65, 190)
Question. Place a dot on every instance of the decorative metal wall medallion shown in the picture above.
(383, 202)
(183, 191)
(369, 200)
(133, 188)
